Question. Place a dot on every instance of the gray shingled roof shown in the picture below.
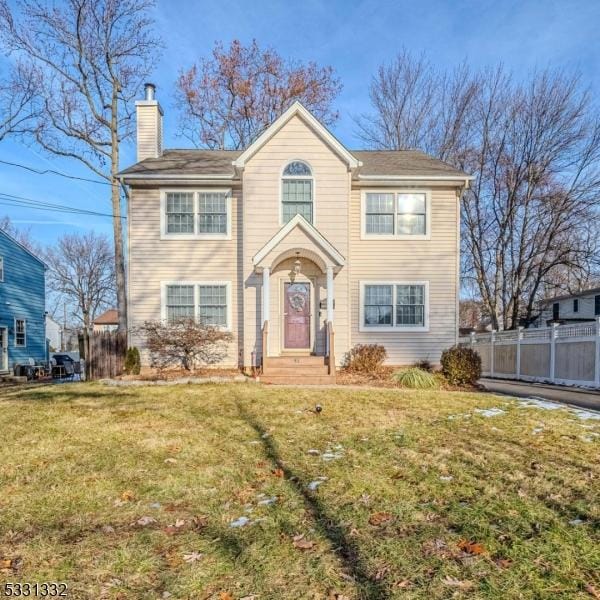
(403, 162)
(218, 162)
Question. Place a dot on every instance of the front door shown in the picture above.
(3, 349)
(296, 316)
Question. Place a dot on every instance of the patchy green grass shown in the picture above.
(415, 504)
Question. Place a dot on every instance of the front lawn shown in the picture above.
(242, 491)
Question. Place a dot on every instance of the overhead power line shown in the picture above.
(53, 172)
(12, 200)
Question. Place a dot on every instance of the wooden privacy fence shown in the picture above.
(565, 354)
(106, 354)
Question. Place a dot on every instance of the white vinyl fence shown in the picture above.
(565, 354)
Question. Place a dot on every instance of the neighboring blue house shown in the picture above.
(22, 305)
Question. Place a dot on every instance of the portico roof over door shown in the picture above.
(298, 237)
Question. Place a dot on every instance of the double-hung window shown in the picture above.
(207, 302)
(396, 214)
(297, 192)
(597, 306)
(394, 305)
(20, 333)
(199, 213)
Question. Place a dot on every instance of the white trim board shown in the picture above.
(296, 109)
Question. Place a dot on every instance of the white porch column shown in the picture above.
(330, 294)
(266, 298)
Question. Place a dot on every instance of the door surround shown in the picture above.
(311, 281)
(3, 349)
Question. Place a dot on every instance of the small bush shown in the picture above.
(133, 363)
(365, 358)
(415, 378)
(424, 365)
(461, 365)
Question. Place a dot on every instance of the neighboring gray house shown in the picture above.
(570, 308)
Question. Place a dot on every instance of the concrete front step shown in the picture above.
(298, 379)
(297, 370)
(295, 361)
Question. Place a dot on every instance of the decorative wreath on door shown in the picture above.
(297, 302)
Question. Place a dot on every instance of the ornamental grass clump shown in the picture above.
(415, 378)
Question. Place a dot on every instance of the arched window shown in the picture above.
(297, 192)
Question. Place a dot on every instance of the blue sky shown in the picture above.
(352, 36)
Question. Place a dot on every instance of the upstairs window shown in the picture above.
(1, 269)
(297, 192)
(576, 305)
(395, 214)
(555, 311)
(597, 306)
(201, 213)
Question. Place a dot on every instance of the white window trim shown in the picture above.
(282, 177)
(1, 269)
(378, 236)
(193, 236)
(196, 284)
(25, 332)
(390, 328)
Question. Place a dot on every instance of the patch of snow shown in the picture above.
(535, 402)
(537, 430)
(313, 485)
(446, 478)
(586, 415)
(268, 501)
(240, 522)
(313, 452)
(155, 505)
(575, 522)
(489, 412)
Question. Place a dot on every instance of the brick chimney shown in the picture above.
(149, 116)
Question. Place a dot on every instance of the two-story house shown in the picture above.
(299, 246)
(570, 308)
(22, 305)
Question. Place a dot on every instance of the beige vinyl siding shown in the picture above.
(149, 131)
(262, 197)
(152, 261)
(433, 260)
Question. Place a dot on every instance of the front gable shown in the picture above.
(295, 113)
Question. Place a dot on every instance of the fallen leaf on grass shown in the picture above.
(200, 522)
(192, 557)
(592, 591)
(402, 584)
(225, 596)
(251, 597)
(301, 543)
(503, 563)
(380, 518)
(143, 521)
(471, 547)
(382, 572)
(11, 564)
(277, 472)
(170, 461)
(128, 496)
(179, 523)
(457, 583)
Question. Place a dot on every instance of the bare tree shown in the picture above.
(90, 58)
(23, 236)
(227, 100)
(17, 93)
(534, 149)
(81, 271)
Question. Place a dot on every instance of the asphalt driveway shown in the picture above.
(589, 400)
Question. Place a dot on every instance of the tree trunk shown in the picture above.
(116, 208)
